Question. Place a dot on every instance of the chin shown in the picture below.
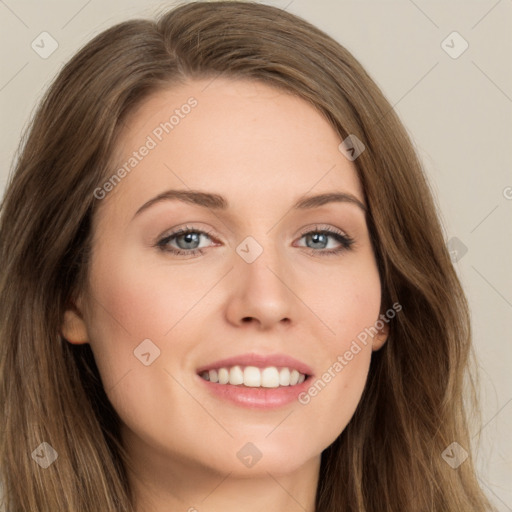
(250, 456)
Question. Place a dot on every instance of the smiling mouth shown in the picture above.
(254, 377)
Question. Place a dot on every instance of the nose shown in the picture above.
(261, 293)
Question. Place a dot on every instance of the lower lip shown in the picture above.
(257, 398)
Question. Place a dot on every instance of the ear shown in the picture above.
(73, 327)
(382, 335)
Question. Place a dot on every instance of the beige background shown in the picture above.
(458, 111)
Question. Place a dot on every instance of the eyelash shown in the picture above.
(345, 241)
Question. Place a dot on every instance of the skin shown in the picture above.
(261, 149)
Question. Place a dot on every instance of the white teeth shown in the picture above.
(254, 377)
(236, 376)
(223, 375)
(284, 377)
(270, 377)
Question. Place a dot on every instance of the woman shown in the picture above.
(225, 284)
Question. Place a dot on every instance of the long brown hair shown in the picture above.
(388, 458)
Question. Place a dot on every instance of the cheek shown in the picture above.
(347, 300)
(135, 300)
(147, 298)
(124, 313)
(333, 395)
(350, 307)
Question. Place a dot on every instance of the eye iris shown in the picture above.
(319, 238)
(190, 238)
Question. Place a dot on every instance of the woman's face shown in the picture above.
(255, 292)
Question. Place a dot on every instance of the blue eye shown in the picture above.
(186, 242)
(320, 240)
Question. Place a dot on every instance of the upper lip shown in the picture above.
(260, 361)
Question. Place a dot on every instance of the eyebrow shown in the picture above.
(218, 202)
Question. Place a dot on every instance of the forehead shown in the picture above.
(243, 139)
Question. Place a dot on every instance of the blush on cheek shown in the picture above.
(350, 302)
(354, 325)
(148, 299)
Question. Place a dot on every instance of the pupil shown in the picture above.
(316, 238)
(190, 238)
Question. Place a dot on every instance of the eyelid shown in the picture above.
(323, 227)
(172, 232)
